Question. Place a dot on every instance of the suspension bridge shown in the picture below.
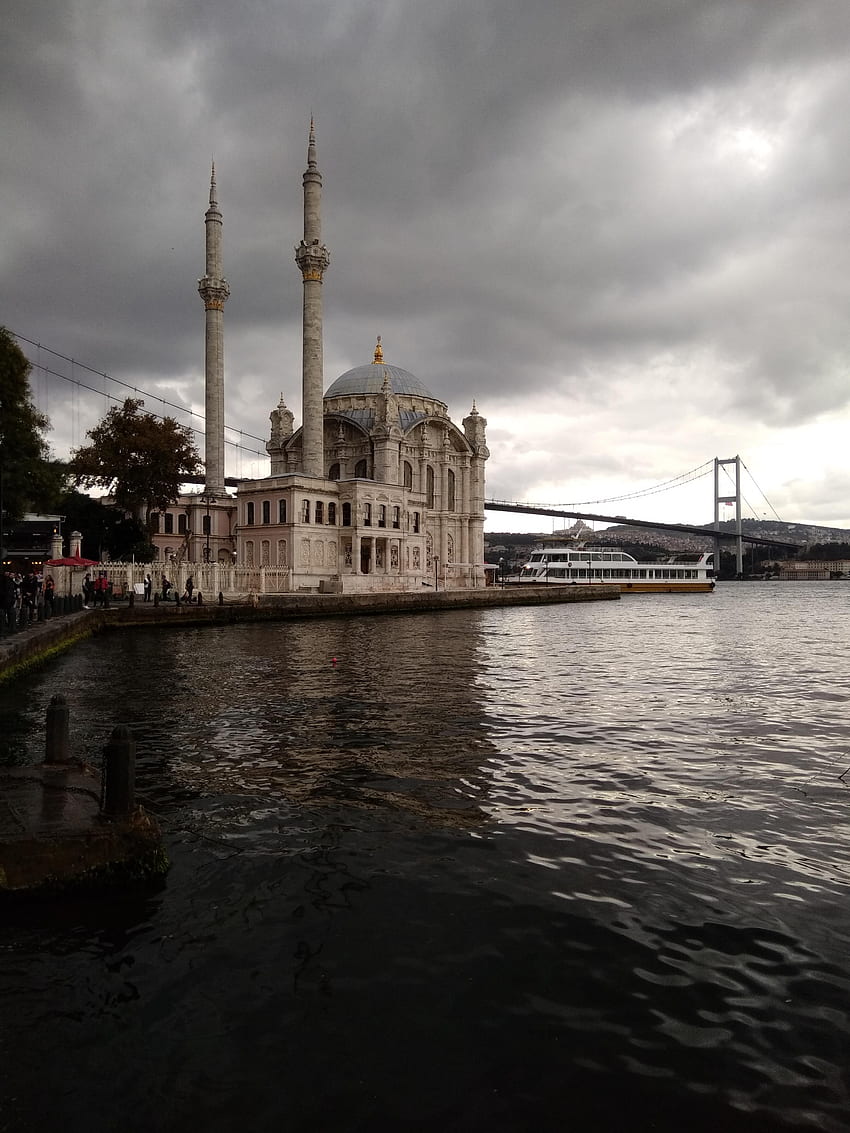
(243, 442)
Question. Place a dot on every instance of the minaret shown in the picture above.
(312, 258)
(214, 292)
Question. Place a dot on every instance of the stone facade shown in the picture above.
(400, 504)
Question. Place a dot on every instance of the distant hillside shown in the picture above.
(805, 534)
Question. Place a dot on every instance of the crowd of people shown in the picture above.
(21, 596)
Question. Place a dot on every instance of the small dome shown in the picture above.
(370, 379)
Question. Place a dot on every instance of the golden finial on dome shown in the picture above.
(379, 353)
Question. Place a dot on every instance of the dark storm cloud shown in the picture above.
(534, 204)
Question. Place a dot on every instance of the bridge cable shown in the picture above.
(666, 485)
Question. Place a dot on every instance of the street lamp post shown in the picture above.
(206, 497)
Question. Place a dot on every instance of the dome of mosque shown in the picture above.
(369, 379)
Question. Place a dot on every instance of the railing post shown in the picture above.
(119, 774)
(57, 748)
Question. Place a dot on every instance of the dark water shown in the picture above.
(576, 868)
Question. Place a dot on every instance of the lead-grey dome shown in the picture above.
(370, 379)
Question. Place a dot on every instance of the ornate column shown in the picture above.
(214, 291)
(313, 259)
(474, 427)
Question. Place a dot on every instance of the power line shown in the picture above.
(126, 385)
(111, 397)
(78, 384)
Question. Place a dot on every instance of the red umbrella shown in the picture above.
(71, 561)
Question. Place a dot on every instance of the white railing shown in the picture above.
(210, 579)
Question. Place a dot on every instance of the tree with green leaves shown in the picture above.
(29, 479)
(139, 459)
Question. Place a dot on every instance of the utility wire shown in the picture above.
(100, 374)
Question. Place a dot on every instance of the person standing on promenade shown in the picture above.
(29, 595)
(7, 600)
(190, 586)
(88, 592)
(49, 589)
(148, 587)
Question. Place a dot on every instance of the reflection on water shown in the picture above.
(568, 867)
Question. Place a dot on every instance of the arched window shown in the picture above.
(264, 553)
(408, 474)
(429, 487)
(181, 524)
(281, 552)
(332, 515)
(333, 472)
(267, 514)
(319, 509)
(281, 511)
(249, 515)
(305, 511)
(249, 553)
(450, 505)
(346, 515)
(360, 470)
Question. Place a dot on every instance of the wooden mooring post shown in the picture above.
(119, 774)
(57, 742)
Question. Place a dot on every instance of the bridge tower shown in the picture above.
(736, 500)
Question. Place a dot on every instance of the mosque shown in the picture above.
(378, 490)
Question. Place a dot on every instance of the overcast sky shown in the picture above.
(621, 226)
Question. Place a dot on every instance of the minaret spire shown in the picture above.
(312, 258)
(214, 291)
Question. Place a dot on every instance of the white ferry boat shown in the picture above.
(685, 573)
